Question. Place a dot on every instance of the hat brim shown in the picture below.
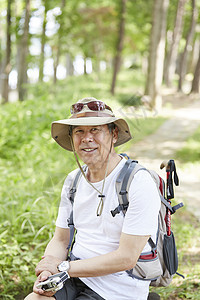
(60, 129)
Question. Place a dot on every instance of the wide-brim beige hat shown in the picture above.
(60, 130)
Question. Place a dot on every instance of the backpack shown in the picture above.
(161, 263)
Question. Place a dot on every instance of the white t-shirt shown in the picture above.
(97, 235)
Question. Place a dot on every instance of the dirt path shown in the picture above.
(171, 136)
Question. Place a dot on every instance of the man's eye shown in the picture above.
(95, 129)
(78, 131)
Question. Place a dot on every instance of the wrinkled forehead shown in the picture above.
(88, 127)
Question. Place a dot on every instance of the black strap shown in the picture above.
(72, 191)
(166, 203)
(152, 245)
(172, 209)
(171, 169)
(70, 221)
(71, 237)
(120, 207)
(175, 207)
(71, 230)
(180, 275)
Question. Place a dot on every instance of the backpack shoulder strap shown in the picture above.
(123, 182)
(72, 193)
(74, 185)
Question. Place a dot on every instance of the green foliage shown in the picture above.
(87, 28)
(134, 100)
(20, 272)
(172, 15)
(191, 151)
(138, 23)
(31, 181)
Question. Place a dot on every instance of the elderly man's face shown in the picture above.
(92, 143)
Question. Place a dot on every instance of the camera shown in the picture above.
(54, 282)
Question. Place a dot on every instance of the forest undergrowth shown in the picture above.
(33, 169)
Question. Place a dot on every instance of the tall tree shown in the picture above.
(58, 46)
(196, 80)
(188, 44)
(24, 50)
(173, 51)
(194, 55)
(7, 68)
(97, 32)
(157, 52)
(69, 65)
(117, 59)
(43, 41)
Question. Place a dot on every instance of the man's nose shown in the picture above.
(87, 137)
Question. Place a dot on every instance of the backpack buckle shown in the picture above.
(72, 190)
(123, 192)
(115, 211)
(154, 252)
(119, 208)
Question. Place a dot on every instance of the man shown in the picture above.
(105, 246)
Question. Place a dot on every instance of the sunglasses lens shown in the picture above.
(77, 107)
(93, 105)
(96, 105)
(108, 107)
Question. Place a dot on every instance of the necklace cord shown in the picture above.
(101, 202)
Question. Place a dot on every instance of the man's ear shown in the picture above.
(115, 135)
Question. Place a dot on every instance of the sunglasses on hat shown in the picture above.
(92, 105)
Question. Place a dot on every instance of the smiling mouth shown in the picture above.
(89, 149)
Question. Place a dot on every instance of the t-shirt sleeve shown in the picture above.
(65, 206)
(144, 204)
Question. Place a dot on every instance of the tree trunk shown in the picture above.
(85, 66)
(196, 79)
(188, 44)
(194, 55)
(69, 65)
(173, 51)
(56, 63)
(7, 69)
(57, 58)
(23, 65)
(157, 53)
(117, 59)
(43, 41)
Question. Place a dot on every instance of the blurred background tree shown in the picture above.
(45, 40)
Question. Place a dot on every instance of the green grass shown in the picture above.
(191, 151)
(33, 168)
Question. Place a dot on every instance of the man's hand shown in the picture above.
(43, 276)
(48, 263)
